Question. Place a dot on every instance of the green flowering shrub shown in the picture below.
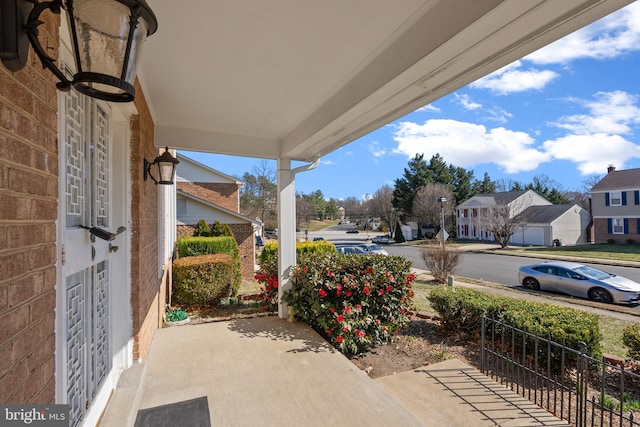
(355, 301)
(267, 276)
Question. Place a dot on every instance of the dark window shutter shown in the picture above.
(609, 226)
(606, 199)
(626, 226)
(624, 198)
(636, 197)
(638, 226)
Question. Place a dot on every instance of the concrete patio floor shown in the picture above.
(269, 372)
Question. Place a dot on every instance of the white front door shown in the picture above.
(84, 324)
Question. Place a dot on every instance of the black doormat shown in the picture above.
(188, 413)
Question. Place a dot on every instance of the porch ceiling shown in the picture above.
(299, 79)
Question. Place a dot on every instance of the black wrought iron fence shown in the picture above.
(565, 381)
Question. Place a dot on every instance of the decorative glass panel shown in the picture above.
(76, 345)
(101, 354)
(75, 157)
(101, 167)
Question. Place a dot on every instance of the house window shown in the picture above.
(618, 226)
(181, 207)
(615, 198)
(465, 213)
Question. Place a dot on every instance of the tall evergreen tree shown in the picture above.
(415, 176)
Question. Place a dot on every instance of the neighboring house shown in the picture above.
(545, 223)
(471, 215)
(204, 193)
(615, 206)
(549, 224)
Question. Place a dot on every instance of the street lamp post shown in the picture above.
(442, 201)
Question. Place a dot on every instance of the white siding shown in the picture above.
(193, 172)
(197, 211)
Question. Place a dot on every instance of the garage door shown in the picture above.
(532, 236)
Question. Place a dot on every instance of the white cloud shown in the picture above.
(609, 37)
(610, 113)
(375, 149)
(467, 144)
(512, 79)
(593, 153)
(466, 102)
(327, 162)
(429, 107)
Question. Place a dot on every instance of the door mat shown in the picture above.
(192, 413)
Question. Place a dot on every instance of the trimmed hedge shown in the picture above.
(631, 339)
(461, 310)
(203, 279)
(194, 246)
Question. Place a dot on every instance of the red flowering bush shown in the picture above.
(355, 301)
(267, 276)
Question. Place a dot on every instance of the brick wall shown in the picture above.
(601, 232)
(28, 212)
(147, 289)
(225, 195)
(243, 233)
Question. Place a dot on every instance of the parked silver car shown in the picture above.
(579, 280)
(350, 250)
(372, 248)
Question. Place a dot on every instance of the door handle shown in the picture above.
(102, 233)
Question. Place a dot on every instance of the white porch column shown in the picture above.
(286, 230)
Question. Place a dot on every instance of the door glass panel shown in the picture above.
(75, 158)
(76, 344)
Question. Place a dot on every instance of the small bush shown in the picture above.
(441, 260)
(218, 230)
(355, 301)
(611, 241)
(202, 229)
(630, 241)
(204, 279)
(631, 339)
(194, 246)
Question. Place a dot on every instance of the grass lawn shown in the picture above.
(624, 252)
(315, 225)
(610, 327)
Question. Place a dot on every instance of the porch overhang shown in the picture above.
(297, 80)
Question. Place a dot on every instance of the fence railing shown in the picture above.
(566, 382)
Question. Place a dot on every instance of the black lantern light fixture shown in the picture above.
(106, 35)
(166, 170)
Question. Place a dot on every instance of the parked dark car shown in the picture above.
(579, 280)
(352, 231)
(317, 239)
(259, 241)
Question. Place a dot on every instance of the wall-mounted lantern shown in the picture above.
(106, 36)
(166, 168)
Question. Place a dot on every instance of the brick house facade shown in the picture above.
(31, 253)
(615, 206)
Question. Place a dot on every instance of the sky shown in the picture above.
(567, 111)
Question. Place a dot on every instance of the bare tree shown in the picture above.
(427, 209)
(503, 221)
(380, 206)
